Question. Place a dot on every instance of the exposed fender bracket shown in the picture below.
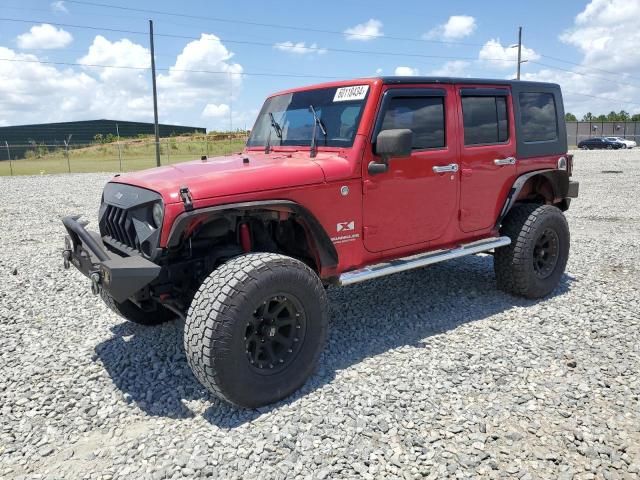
(327, 253)
(559, 180)
(185, 195)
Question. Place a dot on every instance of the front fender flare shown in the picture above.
(326, 251)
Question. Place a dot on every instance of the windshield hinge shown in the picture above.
(185, 195)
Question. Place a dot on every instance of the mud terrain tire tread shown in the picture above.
(216, 317)
(513, 264)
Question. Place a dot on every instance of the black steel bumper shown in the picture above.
(121, 277)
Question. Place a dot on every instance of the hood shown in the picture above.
(230, 175)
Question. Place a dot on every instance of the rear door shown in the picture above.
(487, 153)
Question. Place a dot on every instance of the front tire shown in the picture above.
(532, 265)
(256, 328)
(130, 311)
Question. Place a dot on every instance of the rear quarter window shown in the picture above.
(538, 117)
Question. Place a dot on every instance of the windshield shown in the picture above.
(338, 108)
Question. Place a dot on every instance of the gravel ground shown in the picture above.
(441, 377)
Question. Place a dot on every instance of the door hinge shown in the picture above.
(185, 195)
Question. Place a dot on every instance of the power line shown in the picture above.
(167, 69)
(269, 25)
(307, 48)
(257, 74)
(260, 44)
(599, 97)
(553, 67)
(582, 66)
(310, 29)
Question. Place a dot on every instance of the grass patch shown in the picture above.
(128, 156)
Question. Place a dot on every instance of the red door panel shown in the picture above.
(410, 203)
(487, 169)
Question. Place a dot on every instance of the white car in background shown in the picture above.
(626, 142)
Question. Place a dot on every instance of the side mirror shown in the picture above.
(389, 144)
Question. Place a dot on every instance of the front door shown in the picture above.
(416, 198)
(487, 154)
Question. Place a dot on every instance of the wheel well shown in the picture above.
(548, 187)
(276, 230)
(537, 189)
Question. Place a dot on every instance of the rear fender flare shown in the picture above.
(558, 179)
(322, 246)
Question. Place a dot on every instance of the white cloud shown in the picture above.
(59, 7)
(606, 33)
(457, 27)
(299, 48)
(181, 90)
(366, 31)
(216, 111)
(44, 36)
(406, 71)
(504, 56)
(31, 92)
(379, 71)
(454, 68)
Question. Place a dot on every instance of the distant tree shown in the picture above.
(623, 116)
(570, 117)
(587, 117)
(601, 118)
(635, 117)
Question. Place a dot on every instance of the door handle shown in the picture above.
(505, 161)
(452, 167)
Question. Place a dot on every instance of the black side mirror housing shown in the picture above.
(391, 143)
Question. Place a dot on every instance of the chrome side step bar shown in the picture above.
(421, 260)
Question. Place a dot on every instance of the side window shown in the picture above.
(538, 116)
(422, 115)
(485, 120)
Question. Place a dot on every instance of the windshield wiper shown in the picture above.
(316, 123)
(278, 129)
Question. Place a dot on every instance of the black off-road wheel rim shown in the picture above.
(274, 334)
(545, 253)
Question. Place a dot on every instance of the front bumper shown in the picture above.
(121, 277)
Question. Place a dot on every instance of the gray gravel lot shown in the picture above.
(431, 373)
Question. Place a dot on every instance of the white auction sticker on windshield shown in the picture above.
(356, 92)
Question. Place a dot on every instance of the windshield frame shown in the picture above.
(305, 143)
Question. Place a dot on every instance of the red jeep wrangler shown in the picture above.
(339, 183)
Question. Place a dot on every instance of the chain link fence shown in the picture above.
(577, 131)
(117, 156)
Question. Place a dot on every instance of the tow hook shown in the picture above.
(95, 283)
(66, 253)
(66, 259)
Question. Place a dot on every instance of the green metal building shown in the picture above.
(21, 138)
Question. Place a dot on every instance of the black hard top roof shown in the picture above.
(476, 81)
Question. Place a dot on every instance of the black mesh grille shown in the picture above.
(118, 225)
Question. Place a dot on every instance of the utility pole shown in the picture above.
(155, 93)
(519, 51)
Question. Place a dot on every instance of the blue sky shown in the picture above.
(461, 38)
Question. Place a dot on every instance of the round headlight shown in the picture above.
(157, 214)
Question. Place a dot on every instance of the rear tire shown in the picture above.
(256, 328)
(130, 311)
(532, 265)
